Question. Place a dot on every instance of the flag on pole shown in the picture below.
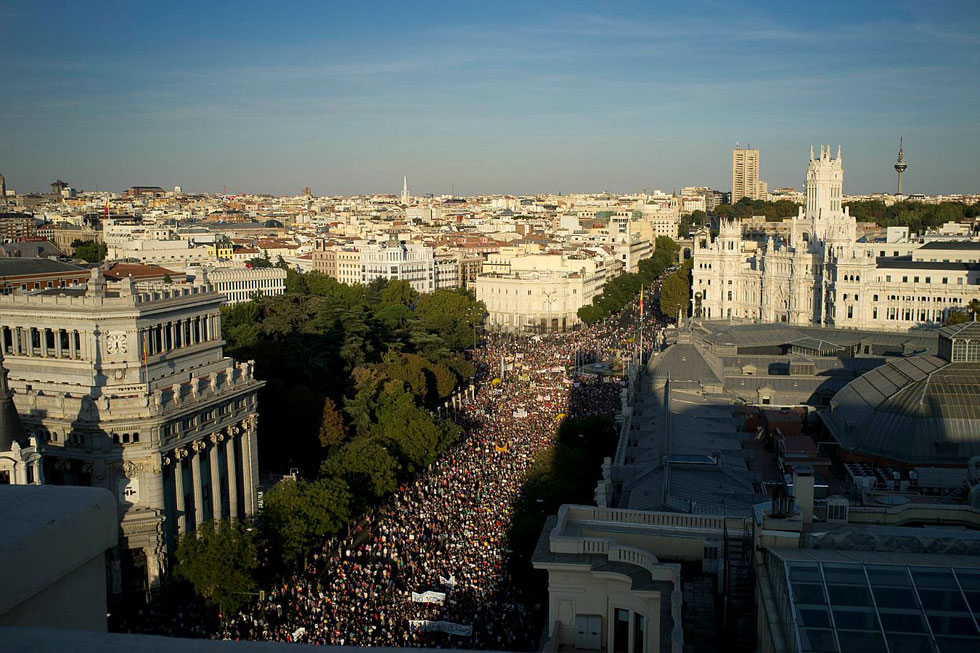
(105, 212)
(641, 302)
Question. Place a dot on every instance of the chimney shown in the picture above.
(803, 491)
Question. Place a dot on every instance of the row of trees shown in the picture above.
(746, 208)
(354, 377)
(917, 216)
(620, 291)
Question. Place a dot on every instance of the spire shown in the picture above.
(11, 429)
(838, 152)
(811, 153)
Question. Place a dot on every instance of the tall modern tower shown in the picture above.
(745, 174)
(900, 165)
(405, 194)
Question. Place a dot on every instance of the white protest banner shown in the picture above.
(449, 627)
(450, 582)
(428, 597)
(299, 631)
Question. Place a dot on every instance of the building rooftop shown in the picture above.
(906, 263)
(16, 266)
(918, 410)
(868, 601)
(948, 244)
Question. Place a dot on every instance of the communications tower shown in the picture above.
(900, 165)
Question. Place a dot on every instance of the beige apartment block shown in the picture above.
(745, 175)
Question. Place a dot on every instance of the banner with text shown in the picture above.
(449, 627)
(428, 597)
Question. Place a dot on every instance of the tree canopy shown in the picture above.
(620, 291)
(299, 514)
(917, 216)
(675, 294)
(219, 560)
(354, 375)
(89, 250)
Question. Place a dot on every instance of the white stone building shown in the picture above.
(824, 275)
(243, 284)
(409, 262)
(130, 391)
(540, 293)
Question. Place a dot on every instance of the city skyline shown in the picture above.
(553, 98)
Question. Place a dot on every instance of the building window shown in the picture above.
(621, 631)
(837, 512)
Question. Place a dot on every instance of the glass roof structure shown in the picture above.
(895, 608)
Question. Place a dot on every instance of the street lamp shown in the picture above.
(549, 295)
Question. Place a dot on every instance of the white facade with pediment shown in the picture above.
(128, 389)
(823, 275)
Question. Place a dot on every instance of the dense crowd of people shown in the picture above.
(432, 567)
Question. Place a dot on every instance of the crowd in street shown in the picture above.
(432, 566)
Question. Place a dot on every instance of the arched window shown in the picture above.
(959, 351)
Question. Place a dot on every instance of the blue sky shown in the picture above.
(486, 97)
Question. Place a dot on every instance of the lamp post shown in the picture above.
(549, 295)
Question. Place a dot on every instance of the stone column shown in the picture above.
(57, 343)
(43, 336)
(215, 479)
(179, 492)
(232, 477)
(247, 482)
(198, 490)
(72, 352)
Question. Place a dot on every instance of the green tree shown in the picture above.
(397, 291)
(332, 429)
(261, 261)
(956, 317)
(167, 279)
(675, 293)
(452, 314)
(366, 465)
(89, 250)
(409, 432)
(968, 313)
(295, 281)
(299, 515)
(219, 560)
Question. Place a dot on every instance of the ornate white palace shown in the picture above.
(824, 275)
(128, 389)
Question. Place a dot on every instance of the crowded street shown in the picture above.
(432, 565)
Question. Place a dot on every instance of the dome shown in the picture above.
(916, 410)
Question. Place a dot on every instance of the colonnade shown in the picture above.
(186, 459)
(42, 342)
(167, 336)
